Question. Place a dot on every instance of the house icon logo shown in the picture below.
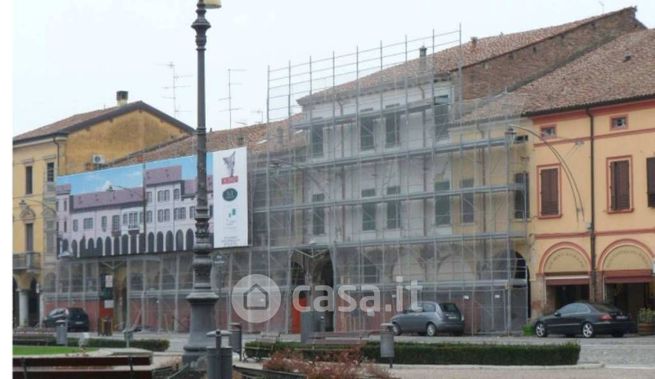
(256, 298)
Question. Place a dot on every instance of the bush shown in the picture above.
(646, 315)
(528, 330)
(152, 344)
(446, 353)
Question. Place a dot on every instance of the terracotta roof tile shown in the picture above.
(447, 60)
(622, 69)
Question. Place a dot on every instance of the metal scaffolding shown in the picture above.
(369, 174)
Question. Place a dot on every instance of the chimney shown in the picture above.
(474, 42)
(422, 54)
(121, 98)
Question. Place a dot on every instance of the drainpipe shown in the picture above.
(592, 226)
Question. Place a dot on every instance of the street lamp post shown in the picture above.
(201, 299)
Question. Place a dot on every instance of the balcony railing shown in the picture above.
(29, 261)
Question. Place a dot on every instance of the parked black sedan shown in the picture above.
(587, 319)
(76, 317)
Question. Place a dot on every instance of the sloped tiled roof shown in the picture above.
(253, 136)
(448, 60)
(82, 120)
(621, 70)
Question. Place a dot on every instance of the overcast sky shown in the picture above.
(71, 56)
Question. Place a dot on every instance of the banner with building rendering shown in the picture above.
(142, 208)
(230, 182)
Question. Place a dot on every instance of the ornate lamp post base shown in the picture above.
(202, 321)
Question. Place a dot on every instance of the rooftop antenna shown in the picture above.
(602, 7)
(229, 99)
(173, 88)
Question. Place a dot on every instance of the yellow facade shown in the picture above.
(624, 240)
(69, 152)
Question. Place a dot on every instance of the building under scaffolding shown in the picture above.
(364, 174)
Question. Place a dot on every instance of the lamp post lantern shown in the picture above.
(201, 299)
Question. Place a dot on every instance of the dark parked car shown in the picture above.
(429, 318)
(586, 319)
(76, 317)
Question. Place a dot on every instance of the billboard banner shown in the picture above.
(230, 183)
(141, 208)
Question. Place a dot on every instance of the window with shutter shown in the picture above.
(549, 191)
(650, 174)
(620, 185)
(521, 202)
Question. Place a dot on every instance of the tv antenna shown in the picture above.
(173, 87)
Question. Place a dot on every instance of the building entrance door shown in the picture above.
(629, 297)
(566, 294)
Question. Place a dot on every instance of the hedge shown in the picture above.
(447, 353)
(147, 344)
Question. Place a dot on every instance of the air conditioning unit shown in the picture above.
(97, 159)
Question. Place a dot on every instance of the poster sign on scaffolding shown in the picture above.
(230, 182)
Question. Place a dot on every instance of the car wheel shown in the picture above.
(431, 330)
(587, 330)
(617, 334)
(540, 330)
(396, 329)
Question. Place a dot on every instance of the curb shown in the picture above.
(583, 366)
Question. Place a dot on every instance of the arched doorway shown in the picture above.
(626, 269)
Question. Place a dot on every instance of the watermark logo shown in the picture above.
(256, 298)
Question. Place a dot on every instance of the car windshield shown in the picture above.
(448, 307)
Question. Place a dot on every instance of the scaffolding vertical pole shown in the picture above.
(508, 245)
(159, 295)
(176, 311)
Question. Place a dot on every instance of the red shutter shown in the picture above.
(620, 185)
(549, 192)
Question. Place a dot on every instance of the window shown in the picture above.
(468, 202)
(149, 216)
(115, 223)
(65, 205)
(149, 197)
(620, 185)
(619, 122)
(28, 180)
(392, 129)
(367, 134)
(75, 226)
(103, 223)
(368, 211)
(317, 141)
(163, 195)
(549, 191)
(65, 226)
(549, 131)
(521, 199)
(167, 214)
(29, 237)
(176, 194)
(160, 215)
(179, 213)
(50, 172)
(87, 223)
(124, 218)
(650, 174)
(133, 220)
(393, 209)
(318, 215)
(192, 212)
(442, 204)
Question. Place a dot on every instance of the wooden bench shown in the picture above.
(33, 336)
(269, 339)
(335, 342)
(74, 367)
